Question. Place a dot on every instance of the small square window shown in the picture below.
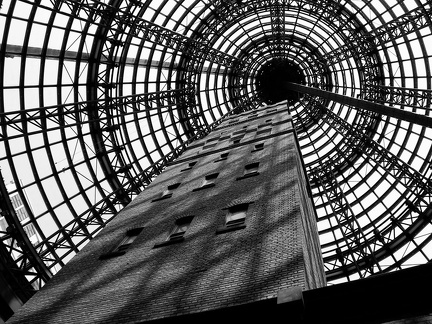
(127, 241)
(177, 233)
(209, 181)
(264, 131)
(167, 193)
(179, 230)
(235, 218)
(207, 146)
(212, 139)
(174, 186)
(222, 157)
(239, 132)
(190, 166)
(250, 170)
(258, 147)
(236, 139)
(124, 244)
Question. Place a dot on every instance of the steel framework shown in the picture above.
(98, 96)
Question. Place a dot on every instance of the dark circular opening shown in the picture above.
(272, 79)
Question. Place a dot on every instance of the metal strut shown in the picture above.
(379, 243)
(419, 99)
(363, 104)
(405, 24)
(18, 257)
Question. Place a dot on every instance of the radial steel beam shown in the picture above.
(360, 44)
(75, 114)
(420, 99)
(120, 20)
(363, 104)
(405, 24)
(54, 54)
(278, 27)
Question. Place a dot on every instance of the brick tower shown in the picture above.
(226, 231)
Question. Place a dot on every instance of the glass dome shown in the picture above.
(97, 96)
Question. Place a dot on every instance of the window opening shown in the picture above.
(209, 181)
(124, 244)
(170, 189)
(236, 215)
(250, 171)
(211, 143)
(209, 146)
(235, 218)
(131, 235)
(239, 132)
(252, 168)
(190, 166)
(222, 157)
(262, 131)
(236, 139)
(258, 147)
(212, 139)
(177, 233)
(180, 228)
(167, 193)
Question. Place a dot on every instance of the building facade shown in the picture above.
(228, 225)
(15, 289)
(22, 215)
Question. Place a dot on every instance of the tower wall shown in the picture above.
(212, 266)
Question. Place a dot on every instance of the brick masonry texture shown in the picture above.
(205, 271)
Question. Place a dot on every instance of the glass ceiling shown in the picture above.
(97, 96)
